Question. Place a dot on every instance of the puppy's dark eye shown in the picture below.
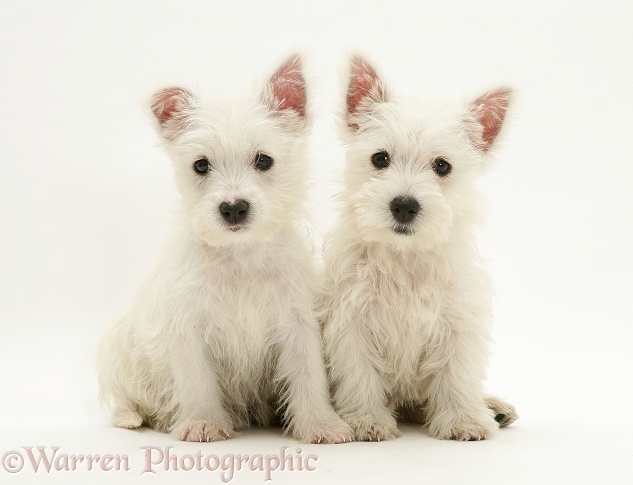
(441, 167)
(380, 160)
(263, 162)
(202, 166)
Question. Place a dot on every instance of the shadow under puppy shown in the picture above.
(223, 332)
(407, 303)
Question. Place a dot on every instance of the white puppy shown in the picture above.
(223, 333)
(407, 304)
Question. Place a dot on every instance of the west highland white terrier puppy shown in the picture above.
(223, 334)
(407, 303)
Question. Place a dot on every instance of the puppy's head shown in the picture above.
(239, 163)
(411, 166)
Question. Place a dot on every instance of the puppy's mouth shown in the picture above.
(404, 229)
(238, 228)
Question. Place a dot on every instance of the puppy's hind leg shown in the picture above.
(115, 372)
(505, 413)
(125, 413)
(126, 417)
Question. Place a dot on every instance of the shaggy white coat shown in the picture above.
(223, 333)
(406, 325)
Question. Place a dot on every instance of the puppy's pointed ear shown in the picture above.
(364, 90)
(489, 112)
(171, 107)
(285, 93)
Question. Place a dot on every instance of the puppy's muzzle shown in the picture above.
(404, 209)
(235, 212)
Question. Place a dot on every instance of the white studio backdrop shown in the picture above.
(86, 196)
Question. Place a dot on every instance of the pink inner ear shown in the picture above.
(289, 88)
(167, 103)
(490, 110)
(363, 82)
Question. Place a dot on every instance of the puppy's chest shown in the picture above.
(405, 318)
(408, 301)
(242, 313)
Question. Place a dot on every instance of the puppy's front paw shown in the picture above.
(200, 431)
(373, 429)
(331, 432)
(462, 427)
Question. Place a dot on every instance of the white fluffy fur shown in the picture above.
(223, 333)
(406, 325)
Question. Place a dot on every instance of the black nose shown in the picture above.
(404, 209)
(236, 212)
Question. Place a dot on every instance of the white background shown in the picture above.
(86, 199)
